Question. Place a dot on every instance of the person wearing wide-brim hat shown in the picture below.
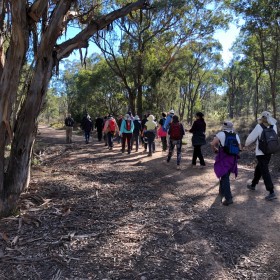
(261, 169)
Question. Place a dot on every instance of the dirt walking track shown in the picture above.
(91, 213)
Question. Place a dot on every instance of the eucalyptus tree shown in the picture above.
(32, 34)
(141, 48)
(96, 90)
(240, 87)
(262, 23)
(197, 60)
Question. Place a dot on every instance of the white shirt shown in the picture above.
(254, 136)
(222, 137)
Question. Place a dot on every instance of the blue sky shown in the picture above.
(226, 38)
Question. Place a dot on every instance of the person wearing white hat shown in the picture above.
(224, 162)
(136, 133)
(126, 130)
(261, 169)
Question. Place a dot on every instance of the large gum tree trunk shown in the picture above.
(15, 177)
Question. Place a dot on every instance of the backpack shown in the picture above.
(268, 142)
(166, 127)
(128, 125)
(112, 125)
(231, 146)
(69, 122)
(175, 131)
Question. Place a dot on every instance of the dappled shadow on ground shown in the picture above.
(91, 213)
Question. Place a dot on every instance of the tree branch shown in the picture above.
(37, 9)
(81, 39)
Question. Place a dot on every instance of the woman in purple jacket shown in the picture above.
(224, 163)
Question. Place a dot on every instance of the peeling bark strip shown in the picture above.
(14, 176)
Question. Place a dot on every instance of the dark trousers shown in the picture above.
(164, 143)
(110, 136)
(87, 135)
(225, 187)
(135, 139)
(99, 134)
(151, 141)
(262, 170)
(105, 138)
(126, 137)
(172, 144)
(197, 154)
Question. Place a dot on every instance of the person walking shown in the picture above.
(126, 131)
(99, 126)
(262, 167)
(225, 161)
(119, 122)
(104, 132)
(162, 133)
(111, 128)
(176, 132)
(167, 123)
(150, 133)
(69, 123)
(198, 138)
(136, 133)
(87, 127)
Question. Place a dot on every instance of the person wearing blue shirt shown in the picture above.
(126, 130)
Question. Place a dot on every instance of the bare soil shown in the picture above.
(91, 213)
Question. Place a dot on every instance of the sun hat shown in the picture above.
(127, 117)
(268, 116)
(151, 118)
(227, 126)
(171, 112)
(136, 118)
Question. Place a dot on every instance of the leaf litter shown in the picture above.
(90, 213)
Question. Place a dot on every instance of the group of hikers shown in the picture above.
(129, 130)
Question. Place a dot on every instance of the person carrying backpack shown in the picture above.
(226, 144)
(176, 132)
(167, 123)
(266, 122)
(69, 123)
(110, 127)
(126, 130)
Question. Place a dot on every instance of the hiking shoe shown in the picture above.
(251, 187)
(227, 202)
(150, 154)
(271, 196)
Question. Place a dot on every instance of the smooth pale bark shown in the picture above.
(14, 176)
